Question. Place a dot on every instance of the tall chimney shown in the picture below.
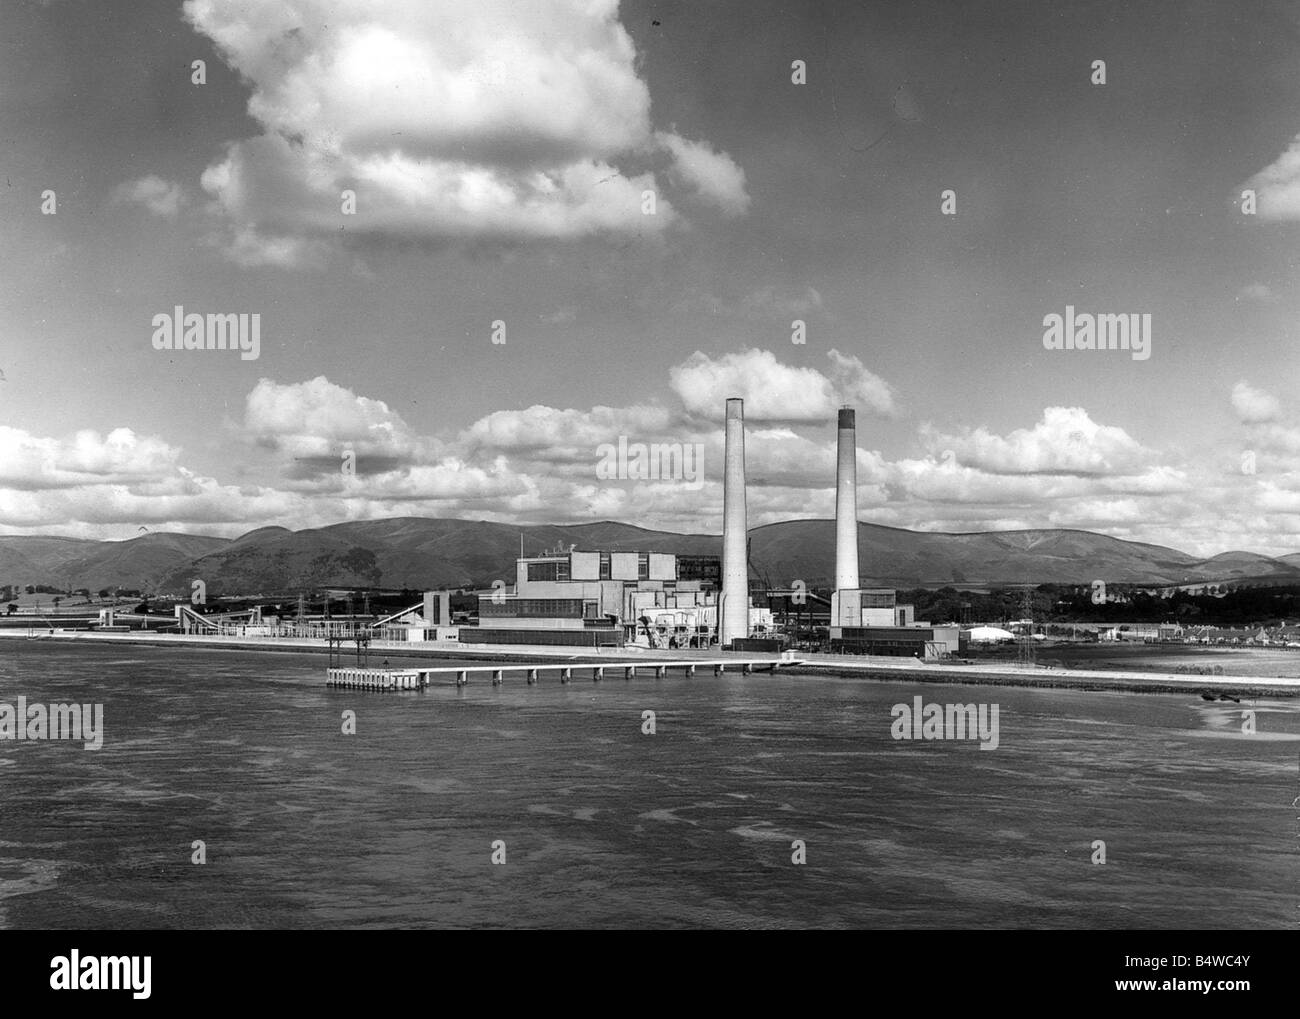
(846, 504)
(733, 606)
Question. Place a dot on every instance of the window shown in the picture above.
(552, 569)
(531, 608)
(704, 568)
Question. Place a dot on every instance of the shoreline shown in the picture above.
(898, 670)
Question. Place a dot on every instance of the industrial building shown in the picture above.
(655, 599)
(659, 599)
(596, 598)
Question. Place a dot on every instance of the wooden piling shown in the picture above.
(383, 680)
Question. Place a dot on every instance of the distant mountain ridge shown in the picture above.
(422, 552)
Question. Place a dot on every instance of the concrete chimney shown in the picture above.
(846, 504)
(733, 606)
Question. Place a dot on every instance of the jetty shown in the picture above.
(361, 678)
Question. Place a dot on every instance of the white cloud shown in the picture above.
(1065, 441)
(161, 197)
(1277, 186)
(539, 466)
(773, 391)
(317, 419)
(33, 463)
(714, 176)
(1254, 406)
(456, 119)
(577, 432)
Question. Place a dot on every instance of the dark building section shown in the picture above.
(586, 637)
(537, 608)
(904, 641)
(705, 568)
(758, 645)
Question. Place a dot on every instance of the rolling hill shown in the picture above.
(418, 552)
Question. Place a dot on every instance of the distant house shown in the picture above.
(1219, 635)
(1147, 632)
(1287, 636)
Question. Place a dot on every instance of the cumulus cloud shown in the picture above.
(317, 419)
(92, 484)
(161, 197)
(539, 465)
(773, 391)
(31, 463)
(1277, 186)
(571, 433)
(1065, 441)
(1254, 406)
(714, 176)
(457, 119)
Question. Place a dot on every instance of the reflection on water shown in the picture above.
(605, 826)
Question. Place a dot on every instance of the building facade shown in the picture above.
(600, 598)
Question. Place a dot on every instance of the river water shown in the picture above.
(603, 825)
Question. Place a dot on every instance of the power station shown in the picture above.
(601, 598)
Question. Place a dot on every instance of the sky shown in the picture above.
(575, 222)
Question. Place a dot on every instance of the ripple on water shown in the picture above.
(307, 829)
(764, 830)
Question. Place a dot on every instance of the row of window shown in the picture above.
(689, 567)
(538, 608)
(558, 569)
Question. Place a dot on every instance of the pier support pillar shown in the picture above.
(690, 670)
(462, 678)
(566, 674)
(496, 677)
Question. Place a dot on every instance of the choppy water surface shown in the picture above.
(605, 826)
